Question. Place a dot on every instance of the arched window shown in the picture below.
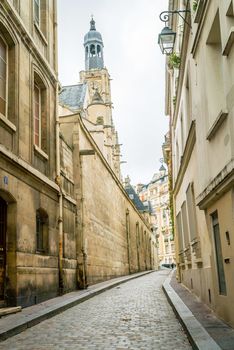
(42, 227)
(99, 50)
(3, 76)
(92, 50)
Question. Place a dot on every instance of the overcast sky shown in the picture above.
(129, 31)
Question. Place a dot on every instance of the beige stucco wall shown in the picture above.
(204, 93)
(224, 206)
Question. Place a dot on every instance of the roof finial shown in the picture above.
(92, 23)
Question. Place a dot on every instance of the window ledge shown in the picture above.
(43, 252)
(7, 122)
(40, 33)
(229, 42)
(40, 251)
(216, 125)
(42, 153)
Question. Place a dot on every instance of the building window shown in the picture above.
(185, 225)
(214, 70)
(37, 116)
(41, 16)
(40, 114)
(191, 207)
(42, 225)
(3, 77)
(37, 12)
(179, 232)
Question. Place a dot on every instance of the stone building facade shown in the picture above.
(28, 193)
(156, 193)
(200, 102)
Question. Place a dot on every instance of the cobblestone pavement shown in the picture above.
(134, 315)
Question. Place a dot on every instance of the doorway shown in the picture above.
(219, 255)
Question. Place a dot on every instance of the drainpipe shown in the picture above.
(60, 198)
(58, 178)
(150, 251)
(128, 240)
(82, 278)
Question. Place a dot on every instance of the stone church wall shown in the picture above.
(117, 240)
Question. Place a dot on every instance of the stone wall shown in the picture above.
(114, 239)
(27, 172)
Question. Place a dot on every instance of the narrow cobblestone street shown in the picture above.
(134, 315)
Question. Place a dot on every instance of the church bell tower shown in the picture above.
(93, 48)
(98, 108)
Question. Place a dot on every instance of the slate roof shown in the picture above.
(135, 198)
(73, 96)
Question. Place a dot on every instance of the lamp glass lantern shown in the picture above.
(166, 40)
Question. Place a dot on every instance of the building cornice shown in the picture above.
(217, 187)
(28, 168)
(191, 139)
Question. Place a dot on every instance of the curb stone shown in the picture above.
(198, 336)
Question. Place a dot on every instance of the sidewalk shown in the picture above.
(204, 329)
(32, 315)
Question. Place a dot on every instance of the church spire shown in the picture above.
(93, 48)
(92, 24)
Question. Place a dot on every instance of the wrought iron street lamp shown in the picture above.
(166, 39)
